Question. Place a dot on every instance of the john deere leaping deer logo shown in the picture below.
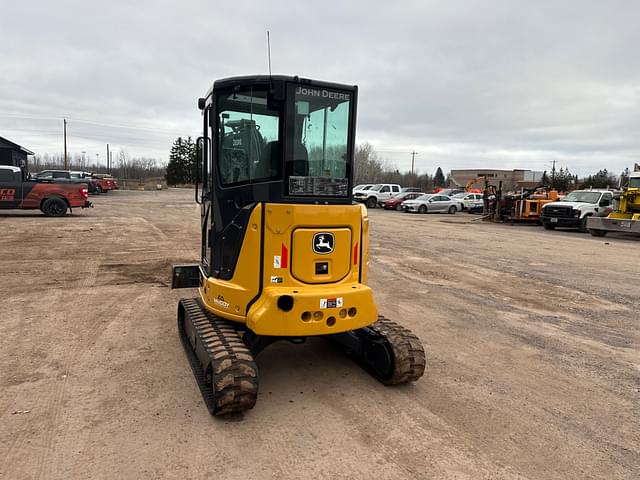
(323, 243)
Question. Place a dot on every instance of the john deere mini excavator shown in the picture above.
(284, 247)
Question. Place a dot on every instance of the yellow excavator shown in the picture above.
(284, 249)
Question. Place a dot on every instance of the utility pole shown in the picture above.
(110, 161)
(413, 160)
(108, 158)
(66, 161)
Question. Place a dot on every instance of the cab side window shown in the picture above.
(384, 190)
(6, 176)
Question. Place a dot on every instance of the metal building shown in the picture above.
(12, 153)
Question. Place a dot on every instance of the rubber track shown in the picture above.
(408, 353)
(229, 382)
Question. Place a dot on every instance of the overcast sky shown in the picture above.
(487, 83)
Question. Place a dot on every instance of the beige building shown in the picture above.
(511, 179)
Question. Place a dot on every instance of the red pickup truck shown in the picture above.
(54, 199)
(105, 182)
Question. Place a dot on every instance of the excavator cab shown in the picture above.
(283, 246)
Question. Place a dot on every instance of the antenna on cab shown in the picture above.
(269, 53)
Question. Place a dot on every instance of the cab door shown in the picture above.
(204, 195)
(10, 188)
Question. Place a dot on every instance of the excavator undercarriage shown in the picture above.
(221, 355)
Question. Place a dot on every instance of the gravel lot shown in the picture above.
(532, 340)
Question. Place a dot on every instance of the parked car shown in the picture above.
(394, 203)
(432, 202)
(411, 189)
(376, 194)
(61, 176)
(449, 191)
(104, 181)
(475, 208)
(52, 175)
(468, 200)
(84, 177)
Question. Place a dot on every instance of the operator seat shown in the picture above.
(269, 159)
(299, 166)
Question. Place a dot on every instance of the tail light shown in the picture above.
(84, 192)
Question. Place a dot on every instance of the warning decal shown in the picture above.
(331, 302)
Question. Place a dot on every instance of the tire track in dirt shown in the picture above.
(71, 361)
(51, 402)
(103, 317)
(19, 449)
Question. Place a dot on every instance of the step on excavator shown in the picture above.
(283, 246)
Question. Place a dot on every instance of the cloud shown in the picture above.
(466, 83)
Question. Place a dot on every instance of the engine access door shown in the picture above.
(321, 255)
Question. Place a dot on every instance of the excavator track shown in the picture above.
(225, 370)
(409, 357)
(390, 352)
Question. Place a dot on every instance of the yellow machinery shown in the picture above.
(626, 217)
(528, 207)
(283, 246)
(480, 180)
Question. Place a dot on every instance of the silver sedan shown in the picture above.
(432, 202)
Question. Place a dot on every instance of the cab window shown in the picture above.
(248, 138)
(318, 161)
(9, 176)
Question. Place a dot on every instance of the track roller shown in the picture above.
(224, 368)
(391, 353)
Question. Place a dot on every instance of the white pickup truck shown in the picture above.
(574, 209)
(376, 194)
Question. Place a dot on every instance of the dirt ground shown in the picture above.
(532, 340)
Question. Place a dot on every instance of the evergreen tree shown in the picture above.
(438, 178)
(182, 160)
(563, 180)
(175, 168)
(545, 178)
(602, 179)
(190, 156)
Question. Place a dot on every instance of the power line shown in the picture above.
(89, 122)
